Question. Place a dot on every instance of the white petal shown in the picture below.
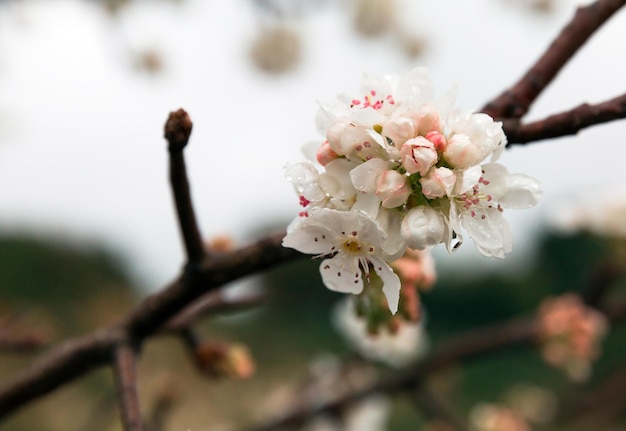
(309, 150)
(367, 203)
(367, 117)
(365, 175)
(391, 283)
(295, 222)
(444, 103)
(497, 175)
(466, 179)
(523, 192)
(382, 85)
(367, 229)
(390, 222)
(389, 152)
(336, 180)
(416, 87)
(305, 179)
(497, 152)
(511, 190)
(491, 234)
(310, 237)
(325, 117)
(342, 274)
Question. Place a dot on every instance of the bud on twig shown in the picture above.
(177, 130)
(224, 360)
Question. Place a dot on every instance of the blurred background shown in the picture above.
(87, 224)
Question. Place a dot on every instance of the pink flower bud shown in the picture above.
(401, 128)
(325, 154)
(334, 134)
(392, 189)
(461, 152)
(416, 268)
(418, 155)
(438, 183)
(353, 141)
(429, 122)
(438, 140)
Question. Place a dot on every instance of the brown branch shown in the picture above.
(177, 131)
(67, 361)
(566, 123)
(74, 358)
(214, 273)
(516, 101)
(126, 379)
(209, 304)
(24, 344)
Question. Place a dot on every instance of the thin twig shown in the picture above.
(516, 101)
(177, 131)
(66, 362)
(208, 305)
(77, 357)
(11, 343)
(24, 344)
(567, 122)
(126, 379)
(214, 273)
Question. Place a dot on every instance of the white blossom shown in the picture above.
(397, 350)
(438, 183)
(473, 137)
(416, 169)
(479, 208)
(418, 155)
(354, 242)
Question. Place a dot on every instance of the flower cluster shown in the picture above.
(571, 333)
(401, 169)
